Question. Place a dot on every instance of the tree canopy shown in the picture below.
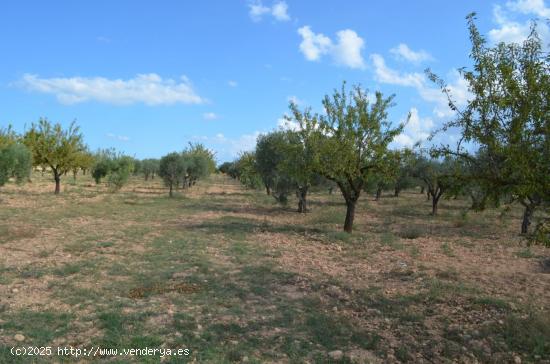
(53, 146)
(507, 118)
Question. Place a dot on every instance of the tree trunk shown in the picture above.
(527, 216)
(57, 179)
(422, 188)
(428, 196)
(302, 199)
(378, 193)
(435, 200)
(396, 192)
(170, 193)
(350, 215)
(330, 190)
(268, 190)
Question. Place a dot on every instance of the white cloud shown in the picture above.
(232, 83)
(510, 30)
(121, 138)
(385, 74)
(210, 116)
(313, 46)
(279, 11)
(257, 10)
(227, 146)
(149, 89)
(346, 51)
(403, 52)
(458, 87)
(417, 130)
(535, 7)
(286, 124)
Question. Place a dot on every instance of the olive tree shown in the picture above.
(149, 168)
(269, 155)
(15, 161)
(55, 147)
(121, 169)
(172, 168)
(507, 117)
(349, 141)
(199, 164)
(245, 170)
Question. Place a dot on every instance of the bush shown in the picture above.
(410, 232)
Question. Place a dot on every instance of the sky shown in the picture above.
(149, 77)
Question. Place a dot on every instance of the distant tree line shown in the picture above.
(51, 148)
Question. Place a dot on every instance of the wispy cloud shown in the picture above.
(121, 138)
(346, 51)
(279, 10)
(509, 29)
(230, 146)
(210, 116)
(102, 39)
(458, 87)
(232, 83)
(149, 89)
(403, 52)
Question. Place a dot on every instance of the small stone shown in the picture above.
(517, 360)
(19, 337)
(500, 322)
(336, 355)
(335, 309)
(15, 290)
(245, 359)
(199, 327)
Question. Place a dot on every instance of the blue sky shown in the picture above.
(148, 77)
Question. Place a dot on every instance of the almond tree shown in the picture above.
(349, 141)
(55, 147)
(507, 117)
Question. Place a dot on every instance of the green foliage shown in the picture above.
(55, 147)
(15, 161)
(246, 172)
(173, 168)
(225, 167)
(150, 168)
(7, 137)
(121, 168)
(199, 162)
(115, 166)
(440, 177)
(507, 117)
(269, 154)
(281, 163)
(349, 142)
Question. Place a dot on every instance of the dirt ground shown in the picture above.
(234, 277)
